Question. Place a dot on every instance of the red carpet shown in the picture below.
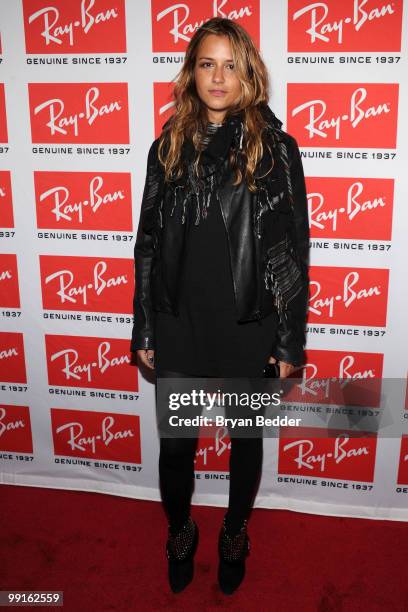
(106, 553)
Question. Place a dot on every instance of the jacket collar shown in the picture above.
(229, 134)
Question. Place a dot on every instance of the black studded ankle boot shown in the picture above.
(233, 551)
(180, 550)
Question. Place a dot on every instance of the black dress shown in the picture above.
(205, 339)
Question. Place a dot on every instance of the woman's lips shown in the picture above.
(217, 92)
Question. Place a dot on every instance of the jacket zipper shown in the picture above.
(229, 251)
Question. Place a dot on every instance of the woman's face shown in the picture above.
(217, 83)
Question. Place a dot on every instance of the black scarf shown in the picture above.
(200, 189)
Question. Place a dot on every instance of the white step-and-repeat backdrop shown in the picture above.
(85, 88)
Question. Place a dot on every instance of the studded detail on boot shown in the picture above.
(180, 550)
(233, 551)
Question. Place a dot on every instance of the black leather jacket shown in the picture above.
(159, 252)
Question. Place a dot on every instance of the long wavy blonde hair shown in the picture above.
(190, 118)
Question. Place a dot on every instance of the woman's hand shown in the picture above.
(146, 356)
(285, 368)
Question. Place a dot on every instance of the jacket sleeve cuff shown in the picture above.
(143, 331)
(291, 339)
(144, 342)
(289, 355)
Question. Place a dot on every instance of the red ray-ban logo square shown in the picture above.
(15, 429)
(343, 114)
(174, 23)
(213, 449)
(3, 115)
(84, 200)
(331, 453)
(402, 478)
(339, 377)
(349, 25)
(12, 359)
(96, 435)
(348, 296)
(85, 361)
(90, 284)
(406, 394)
(79, 113)
(77, 26)
(352, 208)
(163, 105)
(9, 290)
(6, 203)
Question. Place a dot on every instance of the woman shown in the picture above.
(221, 260)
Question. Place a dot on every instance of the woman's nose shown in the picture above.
(218, 75)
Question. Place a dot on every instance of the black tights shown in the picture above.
(176, 471)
